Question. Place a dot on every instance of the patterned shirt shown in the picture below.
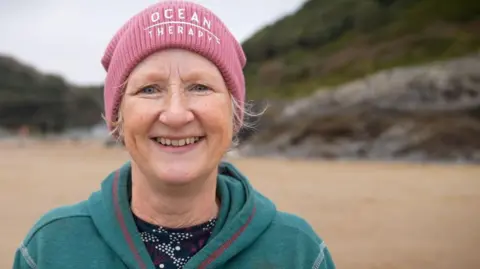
(172, 248)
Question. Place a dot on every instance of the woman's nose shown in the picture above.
(176, 112)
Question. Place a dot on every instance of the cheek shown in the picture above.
(216, 117)
(138, 115)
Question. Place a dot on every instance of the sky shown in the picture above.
(68, 38)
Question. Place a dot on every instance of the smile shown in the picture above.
(177, 142)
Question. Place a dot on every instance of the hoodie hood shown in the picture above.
(244, 215)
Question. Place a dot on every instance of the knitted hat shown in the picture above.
(171, 24)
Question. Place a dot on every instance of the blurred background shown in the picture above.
(372, 127)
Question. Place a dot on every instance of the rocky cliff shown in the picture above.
(429, 112)
(44, 102)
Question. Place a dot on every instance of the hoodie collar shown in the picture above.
(111, 214)
(244, 214)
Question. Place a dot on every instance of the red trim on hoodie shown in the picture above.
(227, 244)
(126, 234)
(121, 221)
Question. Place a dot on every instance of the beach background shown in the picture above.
(371, 130)
(371, 214)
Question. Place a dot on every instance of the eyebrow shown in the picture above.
(194, 75)
(150, 76)
(199, 75)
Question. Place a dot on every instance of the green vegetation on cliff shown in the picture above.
(328, 42)
(44, 102)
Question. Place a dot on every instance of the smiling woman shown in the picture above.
(176, 101)
(176, 95)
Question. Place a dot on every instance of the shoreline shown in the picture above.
(99, 144)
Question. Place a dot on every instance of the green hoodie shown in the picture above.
(101, 233)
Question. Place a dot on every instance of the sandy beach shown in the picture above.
(371, 215)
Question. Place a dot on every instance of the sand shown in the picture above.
(371, 215)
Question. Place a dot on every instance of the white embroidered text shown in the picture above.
(176, 21)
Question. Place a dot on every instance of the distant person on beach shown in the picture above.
(174, 96)
(23, 134)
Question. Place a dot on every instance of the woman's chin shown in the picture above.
(176, 175)
(175, 180)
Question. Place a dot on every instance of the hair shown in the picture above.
(248, 123)
(249, 118)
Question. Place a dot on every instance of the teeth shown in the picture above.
(177, 143)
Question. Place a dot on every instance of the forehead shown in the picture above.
(172, 62)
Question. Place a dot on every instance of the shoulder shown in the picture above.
(311, 249)
(292, 223)
(59, 220)
(61, 233)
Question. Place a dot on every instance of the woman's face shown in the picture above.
(177, 116)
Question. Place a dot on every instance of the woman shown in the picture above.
(174, 96)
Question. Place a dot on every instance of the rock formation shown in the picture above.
(424, 113)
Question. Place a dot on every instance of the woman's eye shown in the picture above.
(200, 88)
(148, 90)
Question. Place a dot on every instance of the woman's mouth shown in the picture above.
(178, 142)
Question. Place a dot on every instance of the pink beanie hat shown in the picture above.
(171, 24)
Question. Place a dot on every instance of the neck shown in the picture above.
(174, 206)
